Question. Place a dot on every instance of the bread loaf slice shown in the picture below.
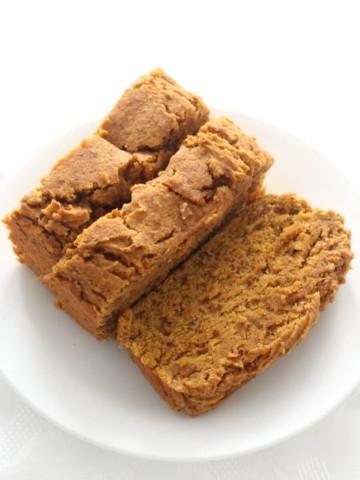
(245, 298)
(85, 184)
(96, 176)
(126, 253)
(153, 113)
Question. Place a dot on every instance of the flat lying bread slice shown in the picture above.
(96, 176)
(245, 298)
(126, 253)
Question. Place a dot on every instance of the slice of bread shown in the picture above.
(153, 113)
(85, 184)
(96, 177)
(128, 252)
(245, 298)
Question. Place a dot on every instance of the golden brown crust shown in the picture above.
(126, 253)
(154, 112)
(245, 298)
(85, 184)
(97, 177)
(31, 244)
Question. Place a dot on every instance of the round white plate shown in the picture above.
(94, 391)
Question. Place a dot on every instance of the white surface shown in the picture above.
(93, 390)
(32, 448)
(294, 64)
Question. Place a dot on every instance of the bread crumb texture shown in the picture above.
(124, 254)
(245, 298)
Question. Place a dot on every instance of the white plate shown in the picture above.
(94, 391)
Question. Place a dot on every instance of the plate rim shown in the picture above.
(196, 458)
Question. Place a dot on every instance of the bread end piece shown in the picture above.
(153, 113)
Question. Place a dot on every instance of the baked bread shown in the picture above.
(153, 113)
(126, 253)
(85, 184)
(245, 298)
(96, 176)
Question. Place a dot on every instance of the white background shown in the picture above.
(295, 64)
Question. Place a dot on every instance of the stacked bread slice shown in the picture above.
(97, 176)
(157, 230)
(126, 253)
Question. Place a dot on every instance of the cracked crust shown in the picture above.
(126, 253)
(245, 298)
(84, 185)
(96, 177)
(154, 112)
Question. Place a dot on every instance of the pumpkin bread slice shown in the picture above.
(125, 254)
(245, 298)
(97, 176)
